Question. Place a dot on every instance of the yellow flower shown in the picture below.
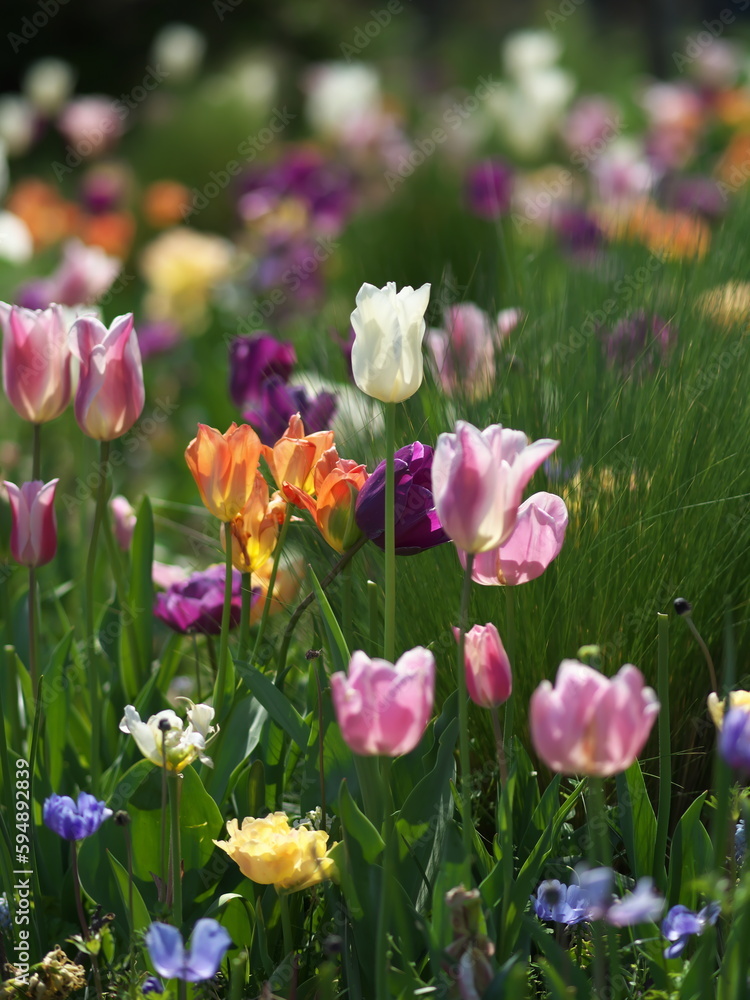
(270, 852)
(739, 699)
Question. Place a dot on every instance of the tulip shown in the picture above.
(195, 604)
(110, 393)
(124, 520)
(463, 353)
(293, 458)
(336, 482)
(256, 529)
(33, 535)
(478, 478)
(389, 328)
(536, 540)
(734, 739)
(417, 524)
(252, 361)
(36, 362)
(278, 402)
(210, 943)
(270, 852)
(224, 467)
(74, 820)
(489, 188)
(591, 724)
(384, 708)
(716, 708)
(178, 744)
(488, 675)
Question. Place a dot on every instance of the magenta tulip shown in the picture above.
(382, 708)
(536, 540)
(36, 361)
(478, 478)
(488, 675)
(110, 394)
(591, 724)
(33, 534)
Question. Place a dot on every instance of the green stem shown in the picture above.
(197, 669)
(372, 601)
(36, 463)
(286, 924)
(247, 600)
(509, 638)
(272, 581)
(346, 604)
(665, 756)
(93, 670)
(131, 914)
(601, 854)
(122, 589)
(164, 895)
(175, 786)
(181, 989)
(389, 626)
(33, 627)
(226, 618)
(82, 919)
(499, 745)
(321, 748)
(467, 825)
(381, 956)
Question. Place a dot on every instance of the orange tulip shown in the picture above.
(336, 481)
(255, 531)
(294, 456)
(285, 589)
(224, 467)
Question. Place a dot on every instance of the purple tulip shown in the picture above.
(681, 923)
(734, 739)
(417, 524)
(639, 342)
(196, 604)
(74, 820)
(489, 187)
(252, 362)
(157, 337)
(210, 943)
(279, 402)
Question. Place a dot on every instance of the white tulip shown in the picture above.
(183, 744)
(179, 50)
(48, 84)
(389, 328)
(16, 242)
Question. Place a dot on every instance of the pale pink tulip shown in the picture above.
(463, 352)
(488, 674)
(36, 362)
(591, 724)
(382, 708)
(124, 521)
(536, 540)
(478, 478)
(33, 535)
(110, 394)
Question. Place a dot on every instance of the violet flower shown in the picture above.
(279, 402)
(252, 362)
(641, 906)
(210, 942)
(561, 903)
(196, 604)
(489, 187)
(639, 342)
(681, 923)
(417, 524)
(734, 739)
(74, 820)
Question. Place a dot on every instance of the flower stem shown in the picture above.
(372, 601)
(247, 599)
(83, 921)
(467, 825)
(131, 914)
(226, 619)
(286, 923)
(510, 646)
(389, 628)
(499, 745)
(164, 864)
(272, 581)
(601, 854)
(36, 462)
(381, 957)
(175, 786)
(33, 627)
(665, 757)
(93, 671)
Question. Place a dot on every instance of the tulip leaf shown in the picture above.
(278, 706)
(55, 709)
(689, 856)
(236, 740)
(333, 628)
(134, 668)
(139, 919)
(638, 822)
(359, 826)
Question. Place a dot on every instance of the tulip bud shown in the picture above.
(124, 519)
(36, 362)
(33, 536)
(488, 674)
(389, 328)
(110, 394)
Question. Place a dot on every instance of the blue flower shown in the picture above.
(564, 904)
(740, 842)
(152, 985)
(74, 821)
(642, 906)
(681, 923)
(209, 945)
(734, 739)
(4, 914)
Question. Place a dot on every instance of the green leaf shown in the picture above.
(55, 708)
(139, 919)
(359, 826)
(638, 825)
(689, 857)
(141, 599)
(278, 706)
(332, 626)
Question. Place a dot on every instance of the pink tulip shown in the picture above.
(124, 520)
(33, 535)
(478, 478)
(488, 675)
(536, 540)
(36, 362)
(591, 724)
(110, 394)
(382, 708)
(463, 353)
